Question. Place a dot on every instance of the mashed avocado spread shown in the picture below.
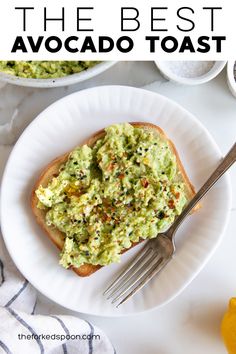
(123, 189)
(44, 69)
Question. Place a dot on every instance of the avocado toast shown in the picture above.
(124, 185)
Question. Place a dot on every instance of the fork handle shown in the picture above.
(225, 164)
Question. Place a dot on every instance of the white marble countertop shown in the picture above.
(190, 324)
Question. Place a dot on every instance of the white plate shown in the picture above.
(66, 124)
(60, 81)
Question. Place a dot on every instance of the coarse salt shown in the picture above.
(190, 69)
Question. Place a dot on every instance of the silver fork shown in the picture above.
(158, 252)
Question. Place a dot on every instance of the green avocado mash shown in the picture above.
(123, 189)
(44, 69)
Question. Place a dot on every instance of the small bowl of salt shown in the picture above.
(231, 76)
(190, 72)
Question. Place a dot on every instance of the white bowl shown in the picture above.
(230, 77)
(61, 81)
(211, 74)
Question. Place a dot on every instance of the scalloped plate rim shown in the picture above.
(220, 237)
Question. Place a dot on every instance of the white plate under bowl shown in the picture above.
(66, 124)
(60, 81)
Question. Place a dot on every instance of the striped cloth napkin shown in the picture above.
(23, 332)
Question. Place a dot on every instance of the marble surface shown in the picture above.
(190, 324)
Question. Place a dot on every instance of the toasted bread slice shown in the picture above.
(52, 170)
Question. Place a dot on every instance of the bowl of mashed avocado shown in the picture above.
(50, 73)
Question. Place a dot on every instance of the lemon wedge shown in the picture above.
(228, 327)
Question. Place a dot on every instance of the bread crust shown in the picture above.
(52, 170)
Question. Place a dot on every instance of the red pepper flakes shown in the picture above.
(144, 182)
(177, 195)
(121, 176)
(171, 204)
(110, 167)
(106, 217)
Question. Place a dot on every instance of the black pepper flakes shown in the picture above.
(161, 215)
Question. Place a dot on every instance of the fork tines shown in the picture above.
(144, 266)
